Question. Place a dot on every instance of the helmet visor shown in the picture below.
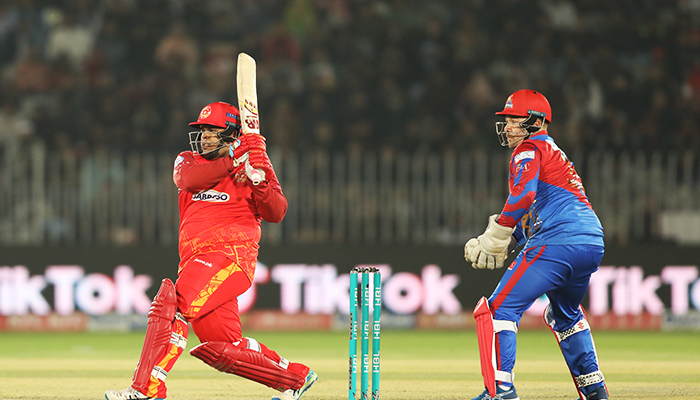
(205, 145)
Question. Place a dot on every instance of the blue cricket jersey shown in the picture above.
(547, 202)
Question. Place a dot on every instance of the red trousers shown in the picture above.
(207, 289)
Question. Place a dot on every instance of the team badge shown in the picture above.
(206, 111)
(240, 176)
(509, 102)
(523, 167)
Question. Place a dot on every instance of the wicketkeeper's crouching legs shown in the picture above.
(577, 346)
(487, 329)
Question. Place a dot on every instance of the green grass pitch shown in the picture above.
(414, 365)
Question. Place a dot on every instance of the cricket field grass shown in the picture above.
(414, 365)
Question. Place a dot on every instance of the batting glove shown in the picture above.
(258, 161)
(238, 152)
(490, 249)
(253, 141)
(238, 149)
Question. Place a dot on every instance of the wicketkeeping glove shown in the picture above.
(490, 249)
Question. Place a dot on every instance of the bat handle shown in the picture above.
(254, 174)
(256, 177)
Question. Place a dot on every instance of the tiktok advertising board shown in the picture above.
(649, 287)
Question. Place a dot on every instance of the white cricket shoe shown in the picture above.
(127, 394)
(290, 394)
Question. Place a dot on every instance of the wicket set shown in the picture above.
(376, 301)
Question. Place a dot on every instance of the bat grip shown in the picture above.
(256, 177)
(254, 174)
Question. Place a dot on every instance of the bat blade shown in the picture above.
(246, 80)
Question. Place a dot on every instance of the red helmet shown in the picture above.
(220, 114)
(525, 103)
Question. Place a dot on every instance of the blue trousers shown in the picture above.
(562, 272)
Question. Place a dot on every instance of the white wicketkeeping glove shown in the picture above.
(490, 249)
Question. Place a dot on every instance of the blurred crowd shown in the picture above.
(387, 75)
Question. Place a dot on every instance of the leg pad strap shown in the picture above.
(590, 379)
(505, 376)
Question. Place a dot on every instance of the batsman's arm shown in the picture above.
(269, 199)
(190, 176)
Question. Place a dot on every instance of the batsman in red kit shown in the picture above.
(220, 214)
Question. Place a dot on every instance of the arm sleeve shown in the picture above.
(524, 173)
(270, 201)
(519, 235)
(191, 176)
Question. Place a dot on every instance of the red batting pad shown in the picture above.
(249, 364)
(486, 336)
(157, 348)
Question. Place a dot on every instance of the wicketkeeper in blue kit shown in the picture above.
(548, 211)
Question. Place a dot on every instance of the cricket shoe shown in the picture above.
(501, 394)
(599, 393)
(291, 394)
(127, 394)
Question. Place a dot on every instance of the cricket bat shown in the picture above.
(248, 103)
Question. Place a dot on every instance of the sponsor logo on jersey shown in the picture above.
(523, 167)
(212, 196)
(208, 264)
(525, 154)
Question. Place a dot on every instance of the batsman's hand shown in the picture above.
(240, 149)
(253, 141)
(259, 161)
(244, 144)
(490, 249)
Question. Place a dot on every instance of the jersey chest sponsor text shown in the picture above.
(211, 196)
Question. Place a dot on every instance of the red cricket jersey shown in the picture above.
(221, 210)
